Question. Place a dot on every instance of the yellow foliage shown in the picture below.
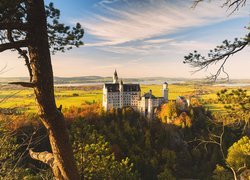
(183, 120)
(167, 112)
(85, 110)
(239, 153)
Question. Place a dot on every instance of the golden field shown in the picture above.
(23, 99)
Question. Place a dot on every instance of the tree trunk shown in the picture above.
(63, 165)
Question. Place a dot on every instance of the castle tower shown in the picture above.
(105, 98)
(150, 105)
(150, 94)
(165, 91)
(121, 93)
(115, 78)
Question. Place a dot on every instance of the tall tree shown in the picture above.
(222, 52)
(24, 28)
(237, 106)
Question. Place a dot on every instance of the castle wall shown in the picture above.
(120, 99)
(129, 95)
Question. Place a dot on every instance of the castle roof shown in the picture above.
(115, 73)
(126, 87)
(147, 96)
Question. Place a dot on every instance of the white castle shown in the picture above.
(118, 95)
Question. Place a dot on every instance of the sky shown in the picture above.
(143, 38)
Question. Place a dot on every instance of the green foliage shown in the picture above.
(13, 16)
(238, 160)
(11, 11)
(130, 135)
(220, 173)
(155, 150)
(221, 53)
(96, 161)
(11, 158)
(239, 154)
(75, 94)
(7, 149)
(61, 37)
(237, 105)
(166, 175)
(94, 157)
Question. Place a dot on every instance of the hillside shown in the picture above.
(142, 80)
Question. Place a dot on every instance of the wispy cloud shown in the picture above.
(158, 47)
(106, 2)
(158, 41)
(140, 20)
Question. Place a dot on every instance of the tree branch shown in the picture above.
(44, 157)
(235, 4)
(11, 26)
(23, 53)
(27, 61)
(24, 84)
(14, 45)
(220, 53)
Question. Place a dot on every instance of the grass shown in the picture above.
(174, 90)
(24, 99)
(215, 107)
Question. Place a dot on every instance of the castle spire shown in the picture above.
(115, 77)
(165, 91)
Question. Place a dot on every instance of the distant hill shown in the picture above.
(142, 80)
(94, 79)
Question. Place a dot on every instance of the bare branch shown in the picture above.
(45, 157)
(234, 5)
(23, 53)
(24, 84)
(221, 69)
(195, 3)
(22, 155)
(220, 53)
(2, 69)
(241, 169)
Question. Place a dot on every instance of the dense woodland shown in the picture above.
(122, 144)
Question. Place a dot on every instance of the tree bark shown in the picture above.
(64, 164)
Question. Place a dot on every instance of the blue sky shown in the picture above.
(142, 38)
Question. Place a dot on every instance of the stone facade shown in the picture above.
(118, 95)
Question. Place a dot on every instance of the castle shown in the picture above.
(118, 95)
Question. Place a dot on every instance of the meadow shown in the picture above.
(23, 100)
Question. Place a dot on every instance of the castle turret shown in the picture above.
(165, 91)
(150, 105)
(105, 98)
(150, 94)
(121, 93)
(115, 77)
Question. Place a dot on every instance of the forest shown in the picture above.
(207, 138)
(122, 144)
